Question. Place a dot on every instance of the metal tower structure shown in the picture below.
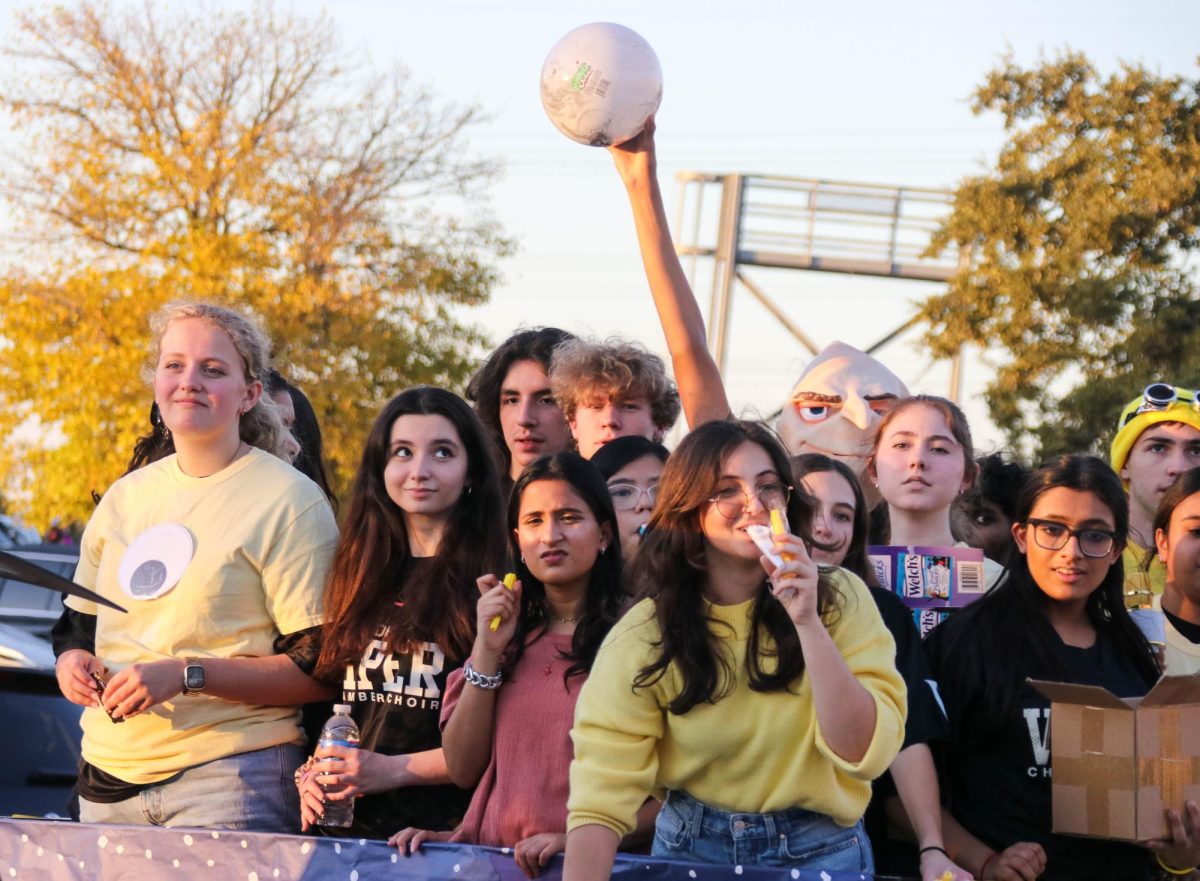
(810, 224)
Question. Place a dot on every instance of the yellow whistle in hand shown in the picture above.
(509, 580)
(777, 528)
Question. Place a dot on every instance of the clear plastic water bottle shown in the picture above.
(340, 730)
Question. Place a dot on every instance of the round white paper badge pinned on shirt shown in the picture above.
(155, 560)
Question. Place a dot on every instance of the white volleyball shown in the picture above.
(600, 82)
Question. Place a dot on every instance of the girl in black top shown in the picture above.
(840, 528)
(424, 517)
(1058, 615)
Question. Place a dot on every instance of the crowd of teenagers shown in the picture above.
(652, 680)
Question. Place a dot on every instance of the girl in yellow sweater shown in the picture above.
(758, 707)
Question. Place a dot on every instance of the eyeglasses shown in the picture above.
(1053, 536)
(732, 500)
(1156, 397)
(627, 496)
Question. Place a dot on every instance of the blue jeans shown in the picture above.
(253, 791)
(690, 830)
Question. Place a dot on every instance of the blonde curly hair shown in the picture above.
(583, 370)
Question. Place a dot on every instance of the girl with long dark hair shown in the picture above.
(742, 687)
(509, 710)
(424, 514)
(840, 525)
(1059, 615)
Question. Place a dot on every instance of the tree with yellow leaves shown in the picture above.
(239, 157)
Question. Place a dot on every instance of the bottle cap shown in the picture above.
(341, 709)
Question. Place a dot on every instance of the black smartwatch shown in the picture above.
(193, 676)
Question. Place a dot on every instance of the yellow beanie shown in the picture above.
(1129, 429)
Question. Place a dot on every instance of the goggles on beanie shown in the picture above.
(1159, 396)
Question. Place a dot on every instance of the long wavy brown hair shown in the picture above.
(671, 564)
(373, 557)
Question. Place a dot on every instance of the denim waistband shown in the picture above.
(739, 825)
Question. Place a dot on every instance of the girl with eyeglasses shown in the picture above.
(633, 467)
(764, 697)
(1057, 615)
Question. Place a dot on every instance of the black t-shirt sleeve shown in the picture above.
(73, 630)
(926, 722)
(302, 647)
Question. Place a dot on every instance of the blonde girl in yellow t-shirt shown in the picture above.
(219, 552)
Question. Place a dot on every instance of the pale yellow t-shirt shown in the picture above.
(264, 538)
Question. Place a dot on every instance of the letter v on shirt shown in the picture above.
(1038, 722)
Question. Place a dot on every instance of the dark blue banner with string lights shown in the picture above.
(63, 851)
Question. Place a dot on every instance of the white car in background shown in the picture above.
(13, 534)
(41, 752)
(19, 648)
(35, 609)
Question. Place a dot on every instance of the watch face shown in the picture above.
(193, 677)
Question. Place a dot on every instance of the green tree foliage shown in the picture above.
(239, 157)
(1080, 238)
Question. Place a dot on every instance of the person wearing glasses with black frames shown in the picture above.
(1058, 614)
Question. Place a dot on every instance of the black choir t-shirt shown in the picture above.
(396, 700)
(925, 723)
(997, 774)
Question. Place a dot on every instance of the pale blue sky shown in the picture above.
(855, 91)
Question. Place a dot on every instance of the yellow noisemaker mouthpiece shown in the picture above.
(509, 580)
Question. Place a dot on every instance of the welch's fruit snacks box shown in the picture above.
(932, 582)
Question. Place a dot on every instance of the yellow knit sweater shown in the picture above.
(748, 752)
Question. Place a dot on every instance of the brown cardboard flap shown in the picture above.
(1086, 695)
(1173, 690)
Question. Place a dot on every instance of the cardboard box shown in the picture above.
(1118, 764)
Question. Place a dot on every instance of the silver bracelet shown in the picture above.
(481, 680)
